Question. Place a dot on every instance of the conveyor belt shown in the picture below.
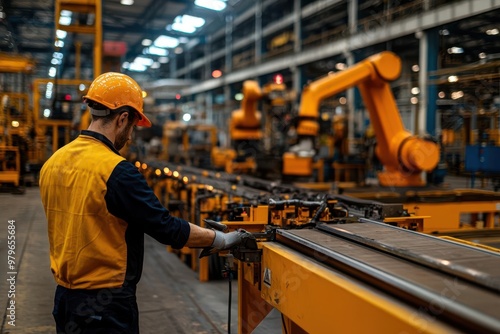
(473, 264)
(435, 294)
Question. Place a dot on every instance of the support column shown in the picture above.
(297, 46)
(258, 31)
(421, 125)
(353, 16)
(351, 105)
(352, 11)
(229, 44)
(429, 49)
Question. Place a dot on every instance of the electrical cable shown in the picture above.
(229, 274)
(283, 322)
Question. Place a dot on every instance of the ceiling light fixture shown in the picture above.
(137, 67)
(217, 5)
(143, 61)
(52, 72)
(492, 32)
(187, 23)
(147, 42)
(61, 34)
(163, 41)
(455, 50)
(65, 20)
(127, 2)
(153, 50)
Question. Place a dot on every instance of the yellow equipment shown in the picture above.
(189, 144)
(325, 260)
(244, 132)
(16, 63)
(403, 155)
(16, 121)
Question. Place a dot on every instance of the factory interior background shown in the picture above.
(286, 118)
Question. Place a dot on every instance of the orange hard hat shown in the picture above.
(115, 90)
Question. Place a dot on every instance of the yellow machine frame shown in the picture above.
(42, 124)
(10, 174)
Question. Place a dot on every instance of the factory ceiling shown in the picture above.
(27, 28)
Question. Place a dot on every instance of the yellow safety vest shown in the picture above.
(87, 243)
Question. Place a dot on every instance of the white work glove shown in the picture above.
(224, 241)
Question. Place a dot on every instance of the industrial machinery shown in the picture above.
(245, 133)
(188, 144)
(258, 139)
(403, 155)
(57, 103)
(16, 120)
(325, 260)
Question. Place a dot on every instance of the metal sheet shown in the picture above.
(470, 263)
(434, 294)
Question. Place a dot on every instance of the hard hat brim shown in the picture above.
(144, 121)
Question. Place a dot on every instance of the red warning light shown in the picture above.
(278, 79)
(216, 73)
(177, 96)
(67, 97)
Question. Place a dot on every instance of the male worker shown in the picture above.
(98, 207)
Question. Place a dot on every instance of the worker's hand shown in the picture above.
(224, 241)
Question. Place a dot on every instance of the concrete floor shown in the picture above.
(170, 297)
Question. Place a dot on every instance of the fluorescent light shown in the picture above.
(194, 21)
(66, 13)
(153, 50)
(65, 20)
(211, 4)
(61, 34)
(57, 55)
(183, 28)
(147, 42)
(127, 2)
(46, 112)
(143, 61)
(137, 67)
(52, 72)
(455, 50)
(452, 78)
(166, 42)
(55, 61)
(187, 23)
(58, 44)
(492, 32)
(456, 95)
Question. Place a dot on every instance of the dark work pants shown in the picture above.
(103, 311)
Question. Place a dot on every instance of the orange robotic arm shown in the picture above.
(246, 122)
(403, 155)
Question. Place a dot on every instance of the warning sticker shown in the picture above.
(267, 277)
